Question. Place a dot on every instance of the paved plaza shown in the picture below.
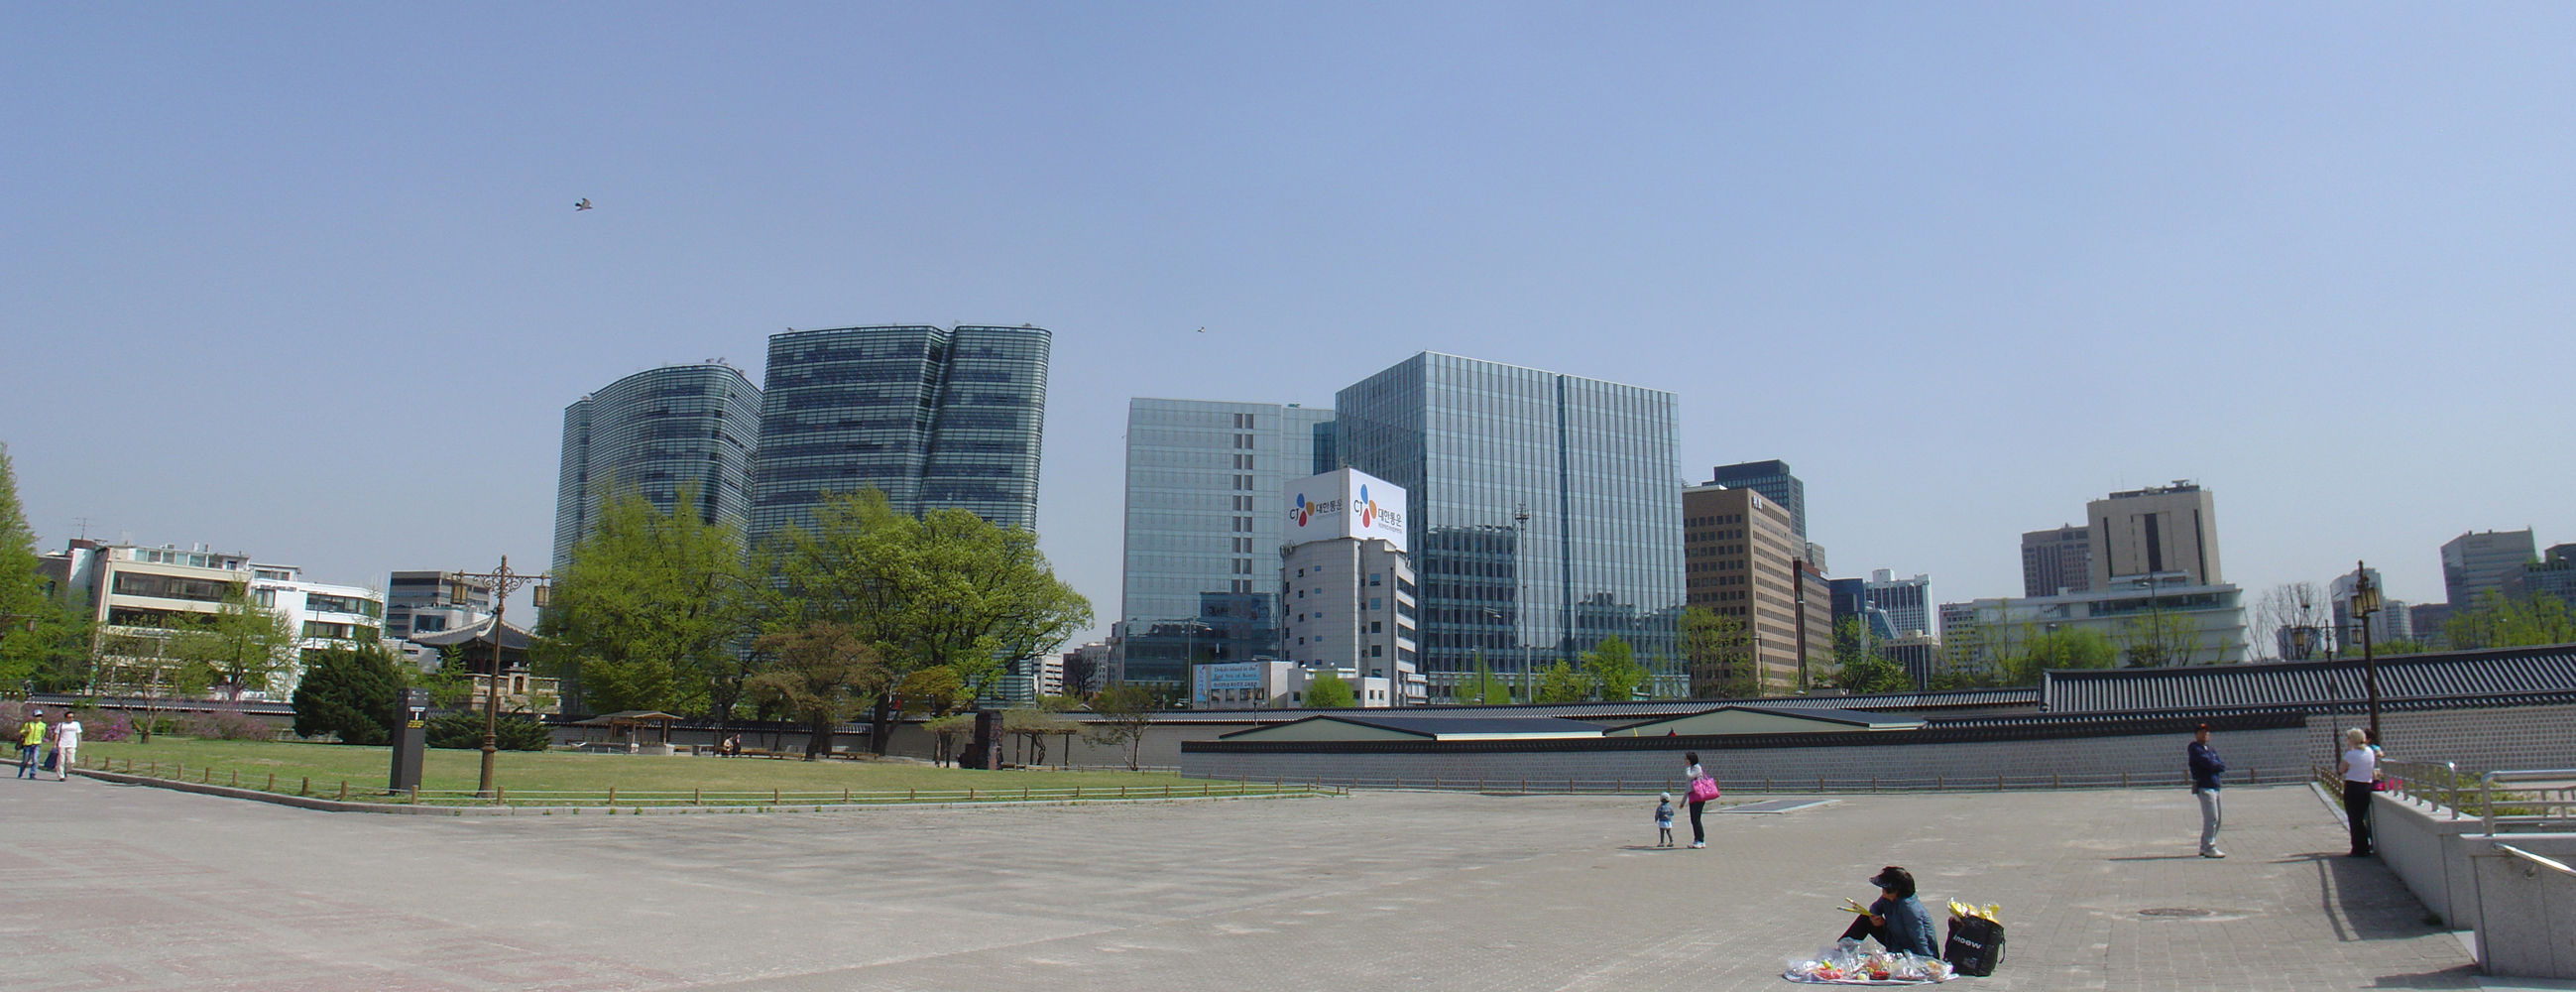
(114, 888)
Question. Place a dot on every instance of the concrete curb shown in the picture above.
(407, 809)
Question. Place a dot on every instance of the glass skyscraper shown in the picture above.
(1204, 518)
(1544, 511)
(935, 418)
(658, 431)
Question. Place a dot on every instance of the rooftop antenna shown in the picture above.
(84, 526)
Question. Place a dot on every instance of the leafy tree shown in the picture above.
(1612, 667)
(1328, 691)
(948, 588)
(1062, 702)
(935, 690)
(649, 610)
(2497, 621)
(241, 646)
(1560, 683)
(141, 666)
(1080, 671)
(2063, 648)
(511, 732)
(42, 639)
(825, 675)
(1034, 726)
(947, 731)
(1872, 672)
(1719, 652)
(1481, 687)
(1126, 712)
(2158, 638)
(353, 692)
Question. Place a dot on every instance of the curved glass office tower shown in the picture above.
(659, 431)
(935, 418)
(1543, 518)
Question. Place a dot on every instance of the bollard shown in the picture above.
(272, 782)
(307, 788)
(344, 790)
(1873, 783)
(1940, 782)
(1525, 786)
(500, 796)
(236, 778)
(911, 794)
(773, 795)
(2054, 782)
(1999, 782)
(970, 794)
(612, 797)
(2124, 780)
(206, 776)
(845, 795)
(1167, 790)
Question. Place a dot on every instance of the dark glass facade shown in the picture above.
(1204, 524)
(935, 418)
(1773, 481)
(1541, 512)
(658, 432)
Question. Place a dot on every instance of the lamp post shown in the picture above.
(504, 582)
(2366, 601)
(1520, 608)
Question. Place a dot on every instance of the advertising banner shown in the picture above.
(1344, 503)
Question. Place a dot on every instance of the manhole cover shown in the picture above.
(2173, 911)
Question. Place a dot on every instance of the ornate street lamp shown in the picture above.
(504, 582)
(2365, 601)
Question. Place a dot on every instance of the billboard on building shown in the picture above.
(1230, 675)
(1344, 503)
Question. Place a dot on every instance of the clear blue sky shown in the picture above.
(305, 281)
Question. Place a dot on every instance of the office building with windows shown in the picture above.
(1347, 590)
(1541, 514)
(1773, 480)
(661, 433)
(2483, 562)
(2390, 623)
(2154, 531)
(2554, 576)
(935, 418)
(1741, 560)
(1203, 531)
(2154, 620)
(427, 603)
(1908, 602)
(2057, 561)
(142, 598)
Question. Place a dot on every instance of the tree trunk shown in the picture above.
(818, 738)
(880, 733)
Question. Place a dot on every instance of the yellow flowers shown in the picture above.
(1991, 912)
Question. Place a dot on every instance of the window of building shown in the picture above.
(1373, 578)
(1377, 650)
(1377, 626)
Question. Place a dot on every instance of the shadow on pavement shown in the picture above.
(2364, 900)
(2462, 977)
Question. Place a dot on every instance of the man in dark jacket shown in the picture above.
(2205, 772)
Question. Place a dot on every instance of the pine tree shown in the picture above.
(355, 693)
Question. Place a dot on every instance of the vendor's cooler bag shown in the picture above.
(1975, 947)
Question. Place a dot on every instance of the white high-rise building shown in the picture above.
(2155, 531)
(1347, 588)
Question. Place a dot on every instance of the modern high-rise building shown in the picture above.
(1772, 479)
(659, 432)
(2554, 576)
(1542, 517)
(1204, 525)
(2057, 561)
(1908, 602)
(1740, 559)
(2153, 531)
(2389, 623)
(936, 418)
(1347, 587)
(2482, 562)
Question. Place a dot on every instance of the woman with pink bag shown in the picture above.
(1702, 789)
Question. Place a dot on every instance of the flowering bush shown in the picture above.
(103, 726)
(226, 724)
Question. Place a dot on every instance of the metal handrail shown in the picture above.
(2419, 779)
(2561, 797)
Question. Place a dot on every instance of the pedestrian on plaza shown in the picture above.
(31, 743)
(2359, 768)
(1699, 795)
(66, 746)
(1896, 918)
(1664, 821)
(2206, 770)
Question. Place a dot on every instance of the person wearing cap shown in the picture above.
(31, 739)
(2206, 770)
(1896, 919)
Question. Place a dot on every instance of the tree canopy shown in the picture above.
(1718, 650)
(824, 675)
(1328, 691)
(1612, 669)
(649, 611)
(354, 692)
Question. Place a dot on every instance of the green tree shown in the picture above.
(947, 731)
(948, 588)
(2159, 638)
(1328, 691)
(1560, 683)
(241, 646)
(824, 675)
(2498, 621)
(650, 610)
(1719, 652)
(1611, 666)
(463, 731)
(1481, 687)
(355, 693)
(1872, 672)
(42, 639)
(2063, 648)
(1033, 727)
(935, 690)
(1126, 712)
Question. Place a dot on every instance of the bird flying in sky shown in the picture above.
(583, 205)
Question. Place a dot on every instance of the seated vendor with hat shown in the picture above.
(1896, 918)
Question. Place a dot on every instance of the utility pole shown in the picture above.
(504, 582)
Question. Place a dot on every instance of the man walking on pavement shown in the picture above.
(2205, 772)
(31, 743)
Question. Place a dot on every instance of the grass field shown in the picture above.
(559, 777)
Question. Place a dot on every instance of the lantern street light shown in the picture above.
(504, 582)
(2366, 601)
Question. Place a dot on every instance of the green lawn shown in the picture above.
(528, 777)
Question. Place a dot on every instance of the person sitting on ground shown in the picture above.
(1895, 918)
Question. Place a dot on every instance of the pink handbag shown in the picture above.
(1703, 790)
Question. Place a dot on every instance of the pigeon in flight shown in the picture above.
(583, 205)
(1202, 330)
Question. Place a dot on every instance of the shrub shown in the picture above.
(103, 726)
(226, 723)
(464, 731)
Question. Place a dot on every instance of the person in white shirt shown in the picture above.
(66, 746)
(2359, 767)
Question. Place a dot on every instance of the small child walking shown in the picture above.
(1664, 821)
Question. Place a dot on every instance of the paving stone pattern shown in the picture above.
(115, 888)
